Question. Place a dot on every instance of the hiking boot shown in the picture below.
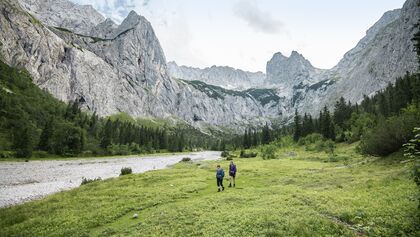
(218, 190)
(233, 185)
(230, 185)
(223, 188)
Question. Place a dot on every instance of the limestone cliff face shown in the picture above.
(76, 54)
(114, 68)
(65, 14)
(223, 76)
(385, 53)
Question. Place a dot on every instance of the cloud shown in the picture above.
(146, 2)
(257, 19)
(117, 10)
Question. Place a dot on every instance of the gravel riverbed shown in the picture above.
(25, 181)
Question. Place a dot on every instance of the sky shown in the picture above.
(246, 33)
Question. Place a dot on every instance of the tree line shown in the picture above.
(32, 122)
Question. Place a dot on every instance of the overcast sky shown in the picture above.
(246, 33)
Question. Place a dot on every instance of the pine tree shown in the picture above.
(46, 135)
(297, 127)
(106, 137)
(266, 136)
(327, 126)
(23, 141)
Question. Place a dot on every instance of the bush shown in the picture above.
(244, 154)
(310, 139)
(329, 146)
(269, 152)
(186, 159)
(86, 180)
(285, 141)
(225, 154)
(389, 135)
(7, 154)
(125, 171)
(118, 150)
(229, 158)
(40, 154)
(316, 142)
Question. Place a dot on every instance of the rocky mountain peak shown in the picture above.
(223, 76)
(132, 20)
(80, 19)
(288, 71)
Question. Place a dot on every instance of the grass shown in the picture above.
(299, 195)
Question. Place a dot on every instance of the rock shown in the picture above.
(76, 54)
(80, 19)
(135, 216)
(226, 77)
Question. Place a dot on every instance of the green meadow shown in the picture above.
(300, 193)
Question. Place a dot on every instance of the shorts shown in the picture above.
(232, 174)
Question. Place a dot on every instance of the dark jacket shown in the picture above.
(220, 173)
(232, 169)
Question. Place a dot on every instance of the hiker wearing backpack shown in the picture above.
(232, 174)
(220, 174)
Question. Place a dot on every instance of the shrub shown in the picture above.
(6, 154)
(229, 158)
(86, 180)
(329, 147)
(310, 139)
(285, 141)
(225, 154)
(389, 135)
(40, 154)
(125, 171)
(118, 150)
(269, 152)
(186, 159)
(244, 154)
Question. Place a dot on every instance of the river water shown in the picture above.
(24, 181)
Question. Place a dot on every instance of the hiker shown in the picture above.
(220, 174)
(232, 174)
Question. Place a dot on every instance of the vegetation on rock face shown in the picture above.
(264, 96)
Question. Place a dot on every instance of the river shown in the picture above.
(25, 181)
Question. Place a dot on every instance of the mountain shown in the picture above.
(385, 53)
(76, 54)
(64, 14)
(226, 77)
(114, 68)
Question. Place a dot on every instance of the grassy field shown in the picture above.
(299, 194)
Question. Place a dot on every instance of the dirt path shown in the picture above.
(24, 181)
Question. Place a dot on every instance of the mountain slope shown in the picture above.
(77, 54)
(385, 53)
(226, 77)
(123, 70)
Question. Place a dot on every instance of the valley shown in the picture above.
(25, 181)
(101, 135)
(301, 193)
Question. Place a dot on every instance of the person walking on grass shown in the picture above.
(232, 174)
(220, 174)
